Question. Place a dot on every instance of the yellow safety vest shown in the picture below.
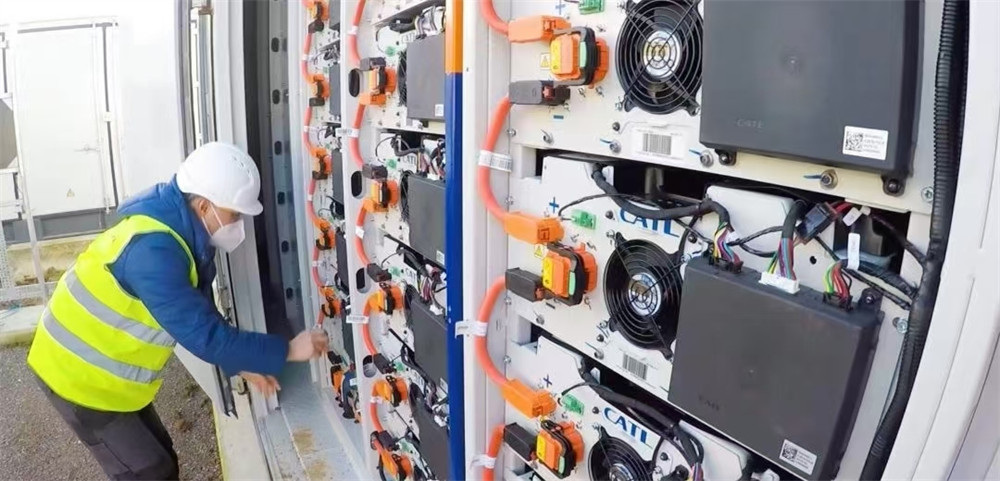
(96, 345)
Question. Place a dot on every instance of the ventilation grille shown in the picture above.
(642, 286)
(659, 56)
(614, 459)
(401, 77)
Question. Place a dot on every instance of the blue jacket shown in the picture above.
(154, 268)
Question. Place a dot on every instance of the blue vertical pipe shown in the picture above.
(453, 236)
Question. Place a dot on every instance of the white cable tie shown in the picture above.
(865, 210)
(360, 232)
(853, 250)
(305, 58)
(305, 128)
(353, 30)
(484, 460)
(346, 132)
(495, 160)
(471, 328)
(851, 216)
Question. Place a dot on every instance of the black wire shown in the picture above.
(599, 196)
(909, 246)
(381, 161)
(386, 259)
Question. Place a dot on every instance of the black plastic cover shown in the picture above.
(433, 442)
(781, 374)
(425, 78)
(425, 203)
(537, 92)
(429, 331)
(524, 284)
(520, 440)
(337, 176)
(343, 274)
(830, 82)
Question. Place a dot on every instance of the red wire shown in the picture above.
(482, 354)
(497, 120)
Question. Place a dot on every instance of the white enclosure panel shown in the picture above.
(59, 89)
(142, 68)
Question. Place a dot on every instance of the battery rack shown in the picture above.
(631, 207)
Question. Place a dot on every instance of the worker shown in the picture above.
(138, 289)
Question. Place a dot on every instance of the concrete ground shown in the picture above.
(37, 445)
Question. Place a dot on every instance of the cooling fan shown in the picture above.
(612, 459)
(658, 56)
(642, 286)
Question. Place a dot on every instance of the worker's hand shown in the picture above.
(307, 345)
(267, 385)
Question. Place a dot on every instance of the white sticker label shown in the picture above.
(439, 110)
(353, 30)
(656, 144)
(851, 216)
(798, 456)
(360, 232)
(353, 382)
(352, 319)
(440, 257)
(495, 161)
(853, 250)
(346, 132)
(868, 143)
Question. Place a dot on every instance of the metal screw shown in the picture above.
(540, 320)
(927, 193)
(725, 158)
(582, 91)
(600, 28)
(595, 411)
(511, 132)
(599, 90)
(380, 122)
(616, 127)
(868, 299)
(893, 187)
(506, 359)
(546, 137)
(692, 238)
(664, 457)
(900, 324)
(619, 106)
(602, 324)
(615, 146)
(598, 354)
(508, 301)
(706, 159)
(600, 338)
(609, 215)
(828, 179)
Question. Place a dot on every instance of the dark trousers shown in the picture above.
(127, 445)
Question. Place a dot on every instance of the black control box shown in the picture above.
(781, 374)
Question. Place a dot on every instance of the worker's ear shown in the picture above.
(201, 206)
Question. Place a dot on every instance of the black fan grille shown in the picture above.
(612, 459)
(659, 56)
(642, 286)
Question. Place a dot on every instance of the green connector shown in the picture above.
(588, 7)
(400, 367)
(572, 404)
(394, 271)
(390, 163)
(584, 219)
(390, 51)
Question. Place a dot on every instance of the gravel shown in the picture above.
(36, 444)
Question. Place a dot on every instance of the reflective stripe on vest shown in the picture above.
(73, 344)
(97, 345)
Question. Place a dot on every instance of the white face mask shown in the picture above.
(229, 236)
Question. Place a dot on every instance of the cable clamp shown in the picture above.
(353, 30)
(852, 216)
(471, 328)
(355, 319)
(360, 232)
(484, 460)
(346, 132)
(495, 160)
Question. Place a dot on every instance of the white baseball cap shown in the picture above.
(225, 175)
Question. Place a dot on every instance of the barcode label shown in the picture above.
(440, 257)
(494, 160)
(868, 143)
(798, 457)
(658, 144)
(634, 366)
(346, 132)
(439, 110)
(352, 319)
